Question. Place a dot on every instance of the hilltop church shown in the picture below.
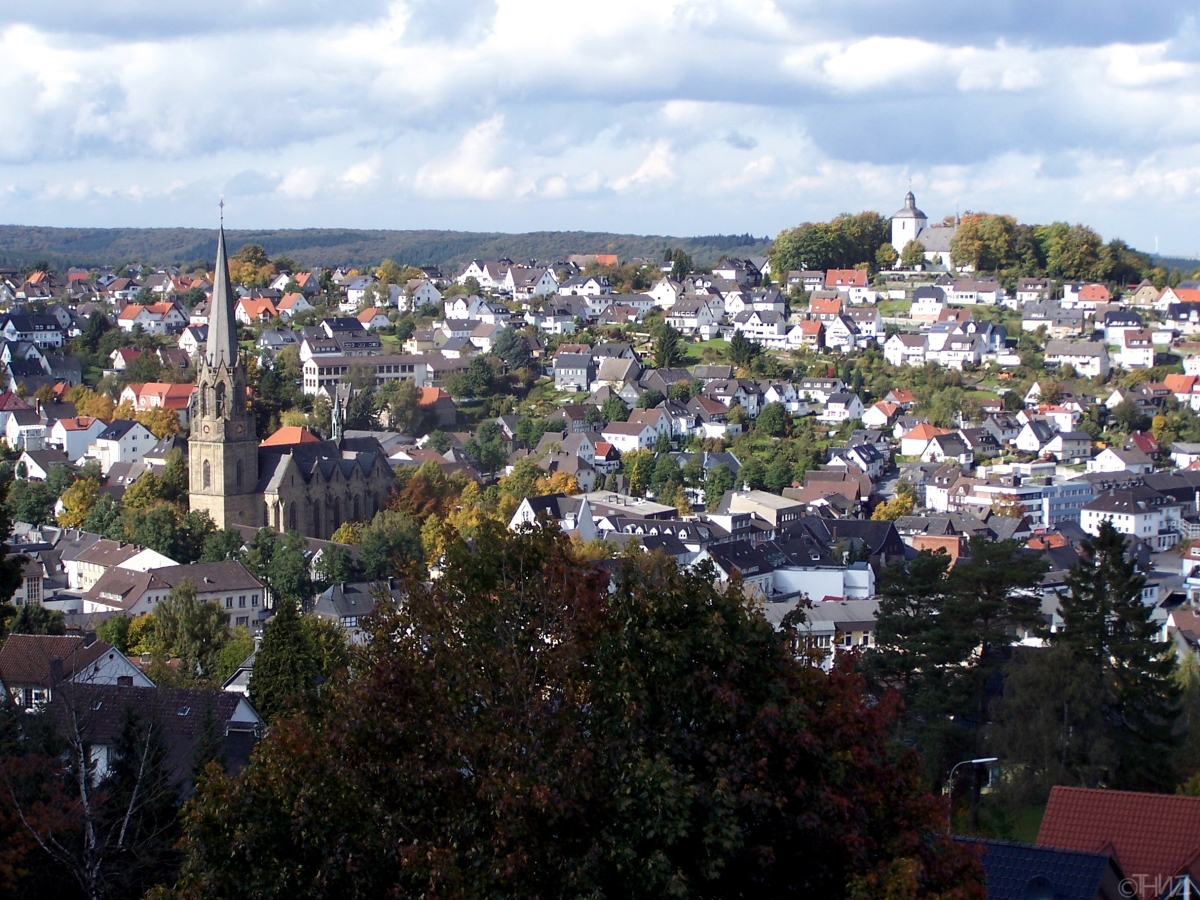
(293, 481)
(910, 224)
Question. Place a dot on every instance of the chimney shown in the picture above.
(56, 671)
(89, 638)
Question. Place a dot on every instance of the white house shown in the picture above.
(1114, 459)
(630, 436)
(75, 434)
(1140, 511)
(1137, 348)
(122, 441)
(32, 664)
(1088, 358)
(841, 407)
(905, 350)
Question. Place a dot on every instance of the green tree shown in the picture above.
(512, 348)
(298, 654)
(912, 255)
(773, 419)
(518, 734)
(390, 545)
(222, 545)
(886, 256)
(115, 630)
(668, 348)
(191, 630)
(650, 398)
(33, 618)
(288, 572)
(1108, 628)
(742, 350)
(719, 480)
(614, 410)
(31, 502)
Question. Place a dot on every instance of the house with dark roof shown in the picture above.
(97, 713)
(1027, 872)
(32, 666)
(347, 603)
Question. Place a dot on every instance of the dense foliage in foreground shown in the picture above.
(520, 730)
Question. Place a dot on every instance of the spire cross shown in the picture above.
(222, 205)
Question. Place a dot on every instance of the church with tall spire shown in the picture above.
(292, 481)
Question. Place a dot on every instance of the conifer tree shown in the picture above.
(1109, 630)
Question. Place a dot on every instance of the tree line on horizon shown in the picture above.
(986, 242)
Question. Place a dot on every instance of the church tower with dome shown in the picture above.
(907, 223)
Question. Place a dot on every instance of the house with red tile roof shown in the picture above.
(292, 305)
(1155, 838)
(290, 436)
(160, 395)
(249, 311)
(373, 318)
(844, 279)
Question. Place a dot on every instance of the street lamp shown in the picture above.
(982, 761)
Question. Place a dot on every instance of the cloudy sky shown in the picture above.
(645, 116)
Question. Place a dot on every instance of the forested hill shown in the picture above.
(23, 244)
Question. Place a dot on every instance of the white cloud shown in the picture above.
(468, 173)
(533, 113)
(657, 170)
(301, 183)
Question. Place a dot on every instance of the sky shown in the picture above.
(676, 117)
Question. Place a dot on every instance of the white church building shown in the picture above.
(910, 224)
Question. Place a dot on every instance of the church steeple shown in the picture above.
(222, 447)
(222, 330)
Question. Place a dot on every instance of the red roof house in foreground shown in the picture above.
(1155, 838)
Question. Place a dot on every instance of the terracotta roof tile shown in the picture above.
(1153, 836)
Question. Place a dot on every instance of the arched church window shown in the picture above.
(221, 400)
(207, 474)
(316, 510)
(292, 518)
(239, 473)
(357, 517)
(204, 401)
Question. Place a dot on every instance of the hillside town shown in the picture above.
(258, 436)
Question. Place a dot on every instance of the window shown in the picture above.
(207, 474)
(229, 603)
(185, 710)
(243, 620)
(254, 599)
(239, 473)
(242, 602)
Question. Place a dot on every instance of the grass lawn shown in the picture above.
(695, 350)
(891, 308)
(391, 343)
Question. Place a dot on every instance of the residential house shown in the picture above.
(159, 395)
(74, 434)
(34, 666)
(25, 430)
(916, 441)
(1155, 837)
(122, 441)
(905, 349)
(627, 437)
(373, 318)
(807, 334)
(1115, 459)
(254, 311)
(1140, 512)
(1088, 358)
(841, 407)
(574, 372)
(1137, 349)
